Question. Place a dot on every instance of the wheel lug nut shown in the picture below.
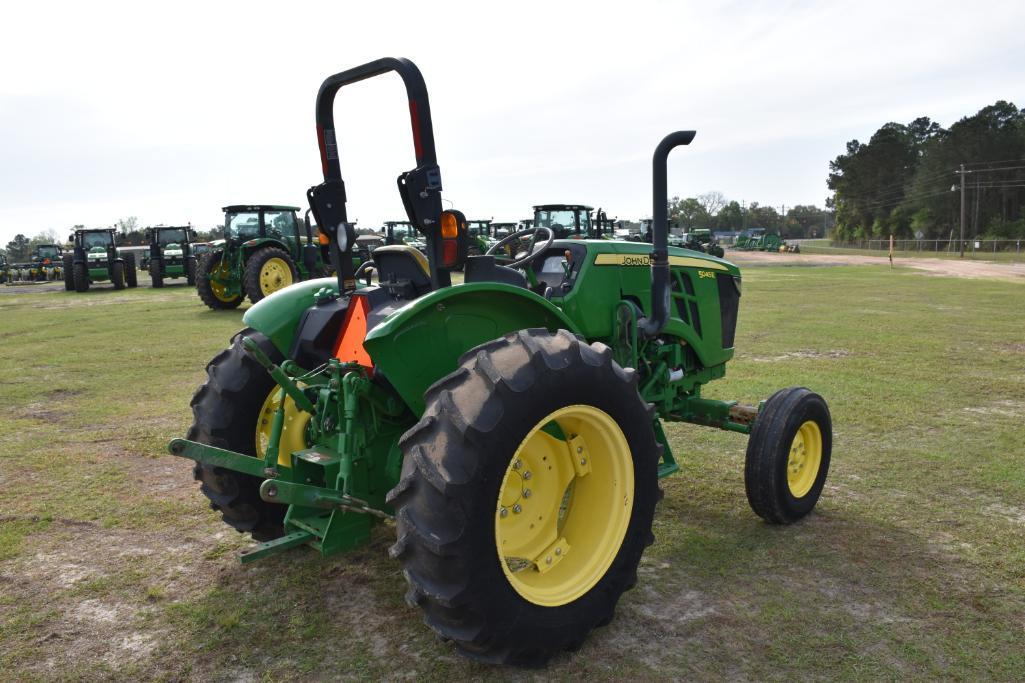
(583, 461)
(548, 560)
(516, 465)
(526, 493)
(527, 475)
(504, 512)
(517, 509)
(558, 551)
(580, 449)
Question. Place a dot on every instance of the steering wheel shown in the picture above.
(533, 252)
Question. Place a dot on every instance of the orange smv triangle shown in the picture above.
(354, 330)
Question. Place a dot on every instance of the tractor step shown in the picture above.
(278, 545)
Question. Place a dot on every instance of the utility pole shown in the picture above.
(961, 172)
(783, 218)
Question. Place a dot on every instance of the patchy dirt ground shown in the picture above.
(934, 266)
(112, 566)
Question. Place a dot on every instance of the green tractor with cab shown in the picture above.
(4, 269)
(170, 254)
(94, 258)
(261, 252)
(510, 426)
(702, 239)
(47, 263)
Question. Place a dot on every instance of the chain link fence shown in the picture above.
(984, 249)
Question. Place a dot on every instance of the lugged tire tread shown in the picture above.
(441, 474)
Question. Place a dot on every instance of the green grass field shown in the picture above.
(913, 566)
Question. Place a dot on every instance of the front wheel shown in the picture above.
(117, 275)
(131, 274)
(267, 271)
(156, 275)
(788, 455)
(526, 497)
(211, 273)
(68, 271)
(190, 271)
(80, 276)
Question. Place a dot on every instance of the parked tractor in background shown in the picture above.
(47, 262)
(94, 258)
(481, 236)
(4, 269)
(170, 254)
(511, 426)
(262, 251)
(749, 240)
(702, 239)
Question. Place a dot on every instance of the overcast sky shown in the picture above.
(170, 111)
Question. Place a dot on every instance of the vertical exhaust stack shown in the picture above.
(651, 326)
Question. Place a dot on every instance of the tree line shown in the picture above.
(713, 211)
(906, 180)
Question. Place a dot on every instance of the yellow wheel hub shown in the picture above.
(218, 274)
(293, 431)
(805, 459)
(274, 274)
(564, 505)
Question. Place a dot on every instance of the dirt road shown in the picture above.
(933, 266)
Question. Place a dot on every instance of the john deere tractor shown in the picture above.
(701, 239)
(261, 252)
(4, 269)
(170, 254)
(94, 258)
(47, 262)
(510, 427)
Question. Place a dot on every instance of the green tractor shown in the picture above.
(171, 254)
(47, 263)
(701, 239)
(94, 258)
(481, 236)
(261, 252)
(510, 426)
(565, 220)
(5, 274)
(750, 239)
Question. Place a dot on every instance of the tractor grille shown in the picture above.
(729, 305)
(686, 301)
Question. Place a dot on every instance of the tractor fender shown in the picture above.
(277, 316)
(422, 342)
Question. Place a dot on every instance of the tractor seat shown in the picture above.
(403, 270)
(484, 269)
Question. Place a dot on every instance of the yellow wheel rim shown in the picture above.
(564, 505)
(293, 431)
(805, 459)
(274, 275)
(221, 272)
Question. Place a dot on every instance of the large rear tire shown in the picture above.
(226, 413)
(267, 271)
(209, 290)
(788, 455)
(526, 497)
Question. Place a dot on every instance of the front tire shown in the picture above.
(80, 274)
(117, 275)
(69, 273)
(226, 411)
(210, 290)
(788, 455)
(190, 271)
(267, 271)
(156, 276)
(494, 448)
(131, 273)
